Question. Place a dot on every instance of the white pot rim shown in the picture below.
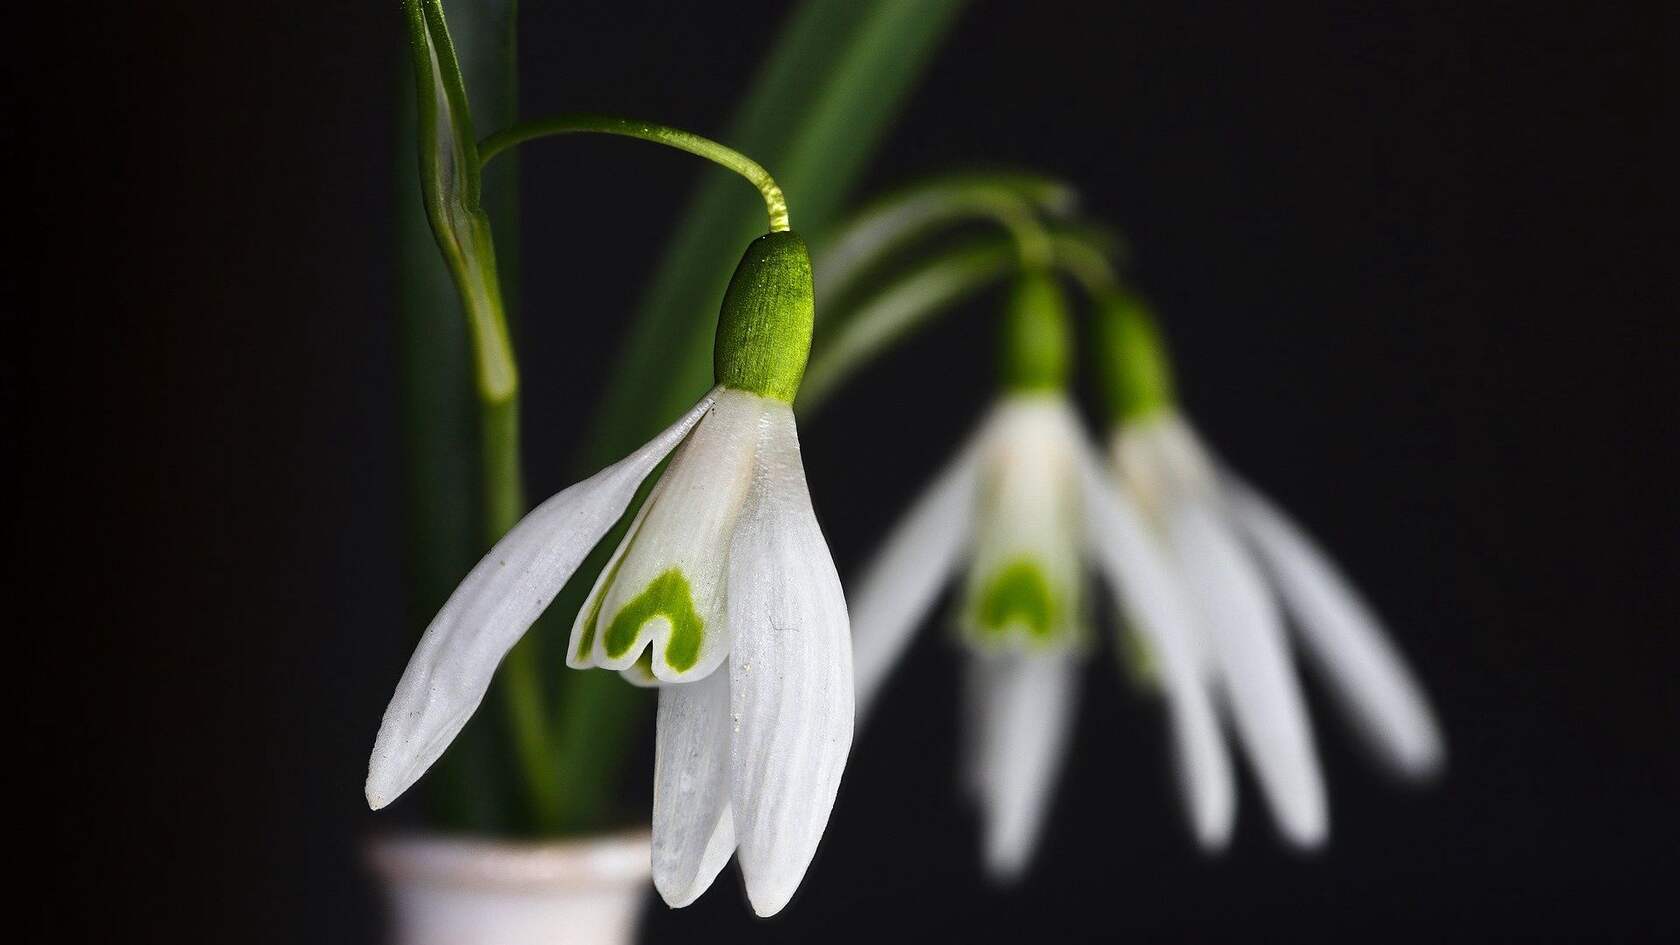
(615, 859)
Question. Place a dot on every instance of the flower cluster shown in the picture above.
(1197, 563)
(723, 596)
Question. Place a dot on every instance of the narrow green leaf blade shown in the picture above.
(470, 787)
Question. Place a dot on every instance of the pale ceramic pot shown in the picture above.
(445, 890)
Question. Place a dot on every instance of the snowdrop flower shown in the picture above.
(1026, 507)
(722, 594)
(1239, 557)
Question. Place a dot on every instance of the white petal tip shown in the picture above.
(1212, 845)
(1009, 850)
(678, 894)
(1005, 867)
(378, 795)
(381, 789)
(1307, 833)
(1424, 760)
(770, 898)
(1213, 835)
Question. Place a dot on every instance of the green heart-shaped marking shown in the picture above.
(666, 596)
(1020, 591)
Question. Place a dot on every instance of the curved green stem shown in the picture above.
(899, 309)
(887, 225)
(774, 202)
(1089, 254)
(932, 288)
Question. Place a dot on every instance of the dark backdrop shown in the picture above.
(1416, 263)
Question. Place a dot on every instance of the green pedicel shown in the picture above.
(1132, 361)
(1035, 335)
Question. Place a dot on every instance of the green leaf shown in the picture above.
(445, 522)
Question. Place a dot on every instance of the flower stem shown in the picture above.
(774, 202)
(1089, 253)
(451, 187)
(876, 324)
(897, 310)
(888, 224)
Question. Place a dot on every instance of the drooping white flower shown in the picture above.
(722, 593)
(1026, 507)
(1239, 557)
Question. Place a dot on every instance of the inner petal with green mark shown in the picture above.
(668, 596)
(665, 588)
(1018, 594)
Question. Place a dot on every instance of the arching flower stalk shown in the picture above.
(722, 594)
(1239, 557)
(1026, 507)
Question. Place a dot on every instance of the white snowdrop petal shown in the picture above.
(493, 607)
(1343, 638)
(790, 673)
(902, 581)
(1024, 586)
(1161, 458)
(1024, 709)
(1246, 636)
(1150, 596)
(667, 592)
(692, 834)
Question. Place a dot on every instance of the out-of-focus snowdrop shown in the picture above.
(722, 593)
(1239, 558)
(1024, 509)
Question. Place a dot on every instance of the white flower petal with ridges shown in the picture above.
(1022, 716)
(692, 833)
(1150, 596)
(790, 673)
(497, 602)
(1343, 638)
(900, 585)
(1024, 583)
(1246, 636)
(668, 590)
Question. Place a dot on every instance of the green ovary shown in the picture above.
(1018, 593)
(666, 596)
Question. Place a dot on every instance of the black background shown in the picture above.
(1416, 263)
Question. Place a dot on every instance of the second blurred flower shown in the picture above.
(1025, 506)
